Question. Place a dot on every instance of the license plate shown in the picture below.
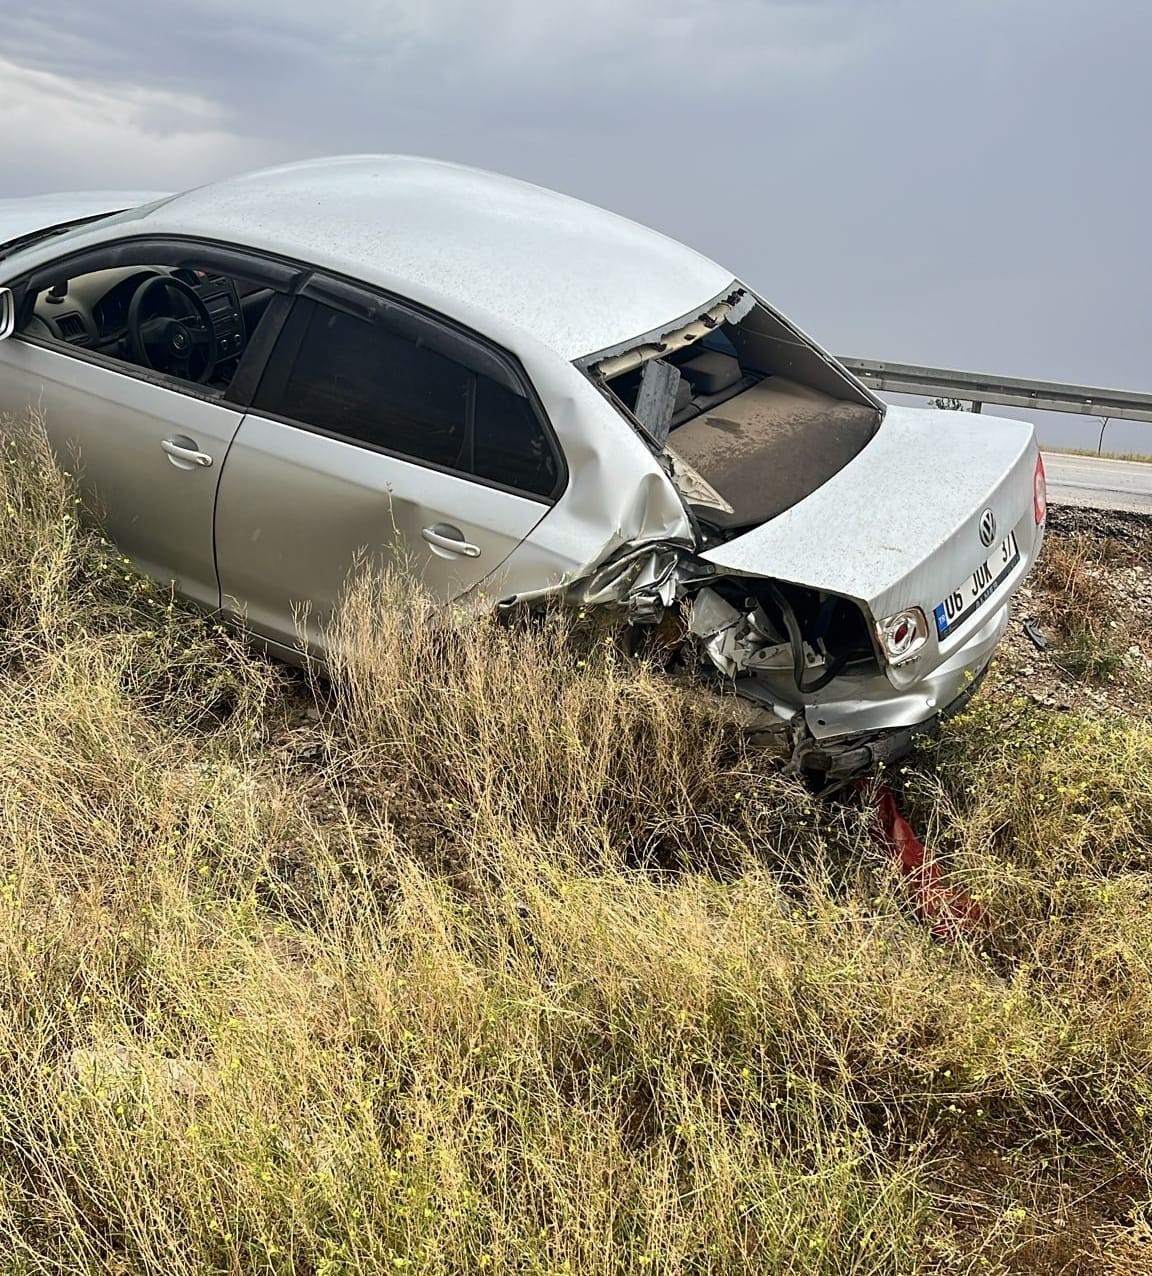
(978, 588)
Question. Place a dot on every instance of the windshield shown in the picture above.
(26, 241)
(24, 223)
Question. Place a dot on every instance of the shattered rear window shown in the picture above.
(745, 402)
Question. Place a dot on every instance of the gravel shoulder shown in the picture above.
(1088, 601)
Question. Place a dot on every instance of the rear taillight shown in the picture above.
(1039, 492)
(901, 636)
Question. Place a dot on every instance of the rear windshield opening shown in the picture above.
(710, 372)
(752, 408)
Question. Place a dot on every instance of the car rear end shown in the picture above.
(928, 532)
(855, 560)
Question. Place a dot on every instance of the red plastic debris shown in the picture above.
(948, 908)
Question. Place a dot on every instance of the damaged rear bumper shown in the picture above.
(882, 728)
(856, 721)
(848, 756)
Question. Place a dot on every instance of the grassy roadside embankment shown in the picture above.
(518, 961)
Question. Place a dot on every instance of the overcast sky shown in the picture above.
(958, 182)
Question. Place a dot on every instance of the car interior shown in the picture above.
(182, 322)
(761, 420)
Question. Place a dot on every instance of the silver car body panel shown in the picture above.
(618, 496)
(111, 428)
(299, 512)
(444, 235)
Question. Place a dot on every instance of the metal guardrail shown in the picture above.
(980, 388)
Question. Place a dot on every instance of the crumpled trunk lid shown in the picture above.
(898, 526)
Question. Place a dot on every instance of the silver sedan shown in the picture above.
(269, 380)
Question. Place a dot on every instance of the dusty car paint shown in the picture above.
(580, 299)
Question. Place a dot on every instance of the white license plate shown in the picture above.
(978, 588)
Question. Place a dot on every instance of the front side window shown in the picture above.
(396, 383)
(172, 316)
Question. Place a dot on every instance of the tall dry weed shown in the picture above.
(531, 965)
(479, 730)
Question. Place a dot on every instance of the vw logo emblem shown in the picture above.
(987, 528)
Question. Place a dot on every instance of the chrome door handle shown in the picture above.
(181, 452)
(440, 536)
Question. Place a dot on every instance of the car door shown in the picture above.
(378, 434)
(147, 446)
(147, 456)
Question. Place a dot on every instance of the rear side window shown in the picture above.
(508, 444)
(387, 380)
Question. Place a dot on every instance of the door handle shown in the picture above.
(185, 450)
(443, 536)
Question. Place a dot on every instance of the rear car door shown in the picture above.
(378, 434)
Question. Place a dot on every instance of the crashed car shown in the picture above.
(271, 379)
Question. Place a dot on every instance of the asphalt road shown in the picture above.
(1099, 483)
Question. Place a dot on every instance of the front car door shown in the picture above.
(377, 434)
(130, 356)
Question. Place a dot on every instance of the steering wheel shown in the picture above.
(167, 343)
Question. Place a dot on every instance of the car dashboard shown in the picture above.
(91, 312)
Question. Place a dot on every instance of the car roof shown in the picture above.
(493, 252)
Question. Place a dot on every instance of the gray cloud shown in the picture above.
(960, 182)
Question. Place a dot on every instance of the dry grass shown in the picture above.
(1073, 574)
(533, 967)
